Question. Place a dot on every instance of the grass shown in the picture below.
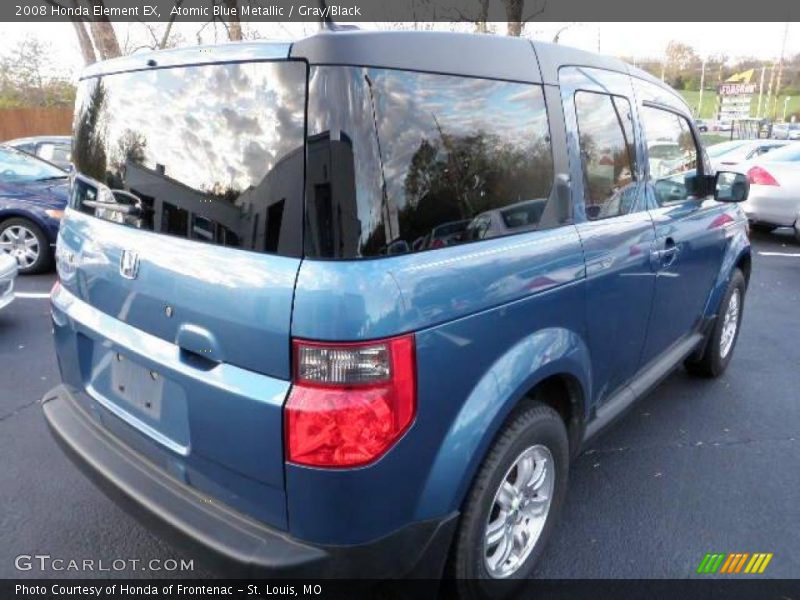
(707, 110)
(709, 139)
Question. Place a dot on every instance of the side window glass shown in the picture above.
(46, 151)
(672, 155)
(607, 153)
(421, 161)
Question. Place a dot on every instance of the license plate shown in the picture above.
(139, 387)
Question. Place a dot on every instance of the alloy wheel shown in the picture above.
(730, 324)
(21, 243)
(519, 511)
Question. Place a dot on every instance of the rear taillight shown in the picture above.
(437, 243)
(350, 402)
(760, 176)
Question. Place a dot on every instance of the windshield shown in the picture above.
(18, 167)
(790, 153)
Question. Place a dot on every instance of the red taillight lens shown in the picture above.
(350, 402)
(437, 243)
(760, 176)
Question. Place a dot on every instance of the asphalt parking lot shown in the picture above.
(699, 466)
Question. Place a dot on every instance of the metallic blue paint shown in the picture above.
(31, 200)
(588, 302)
(490, 319)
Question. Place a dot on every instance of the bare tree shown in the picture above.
(234, 26)
(514, 15)
(103, 34)
(481, 25)
(100, 38)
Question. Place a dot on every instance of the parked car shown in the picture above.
(726, 154)
(515, 218)
(56, 149)
(786, 131)
(33, 195)
(702, 125)
(774, 199)
(310, 403)
(446, 234)
(8, 272)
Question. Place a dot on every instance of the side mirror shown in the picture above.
(731, 187)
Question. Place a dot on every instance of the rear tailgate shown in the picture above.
(178, 258)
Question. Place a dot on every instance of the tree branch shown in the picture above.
(536, 13)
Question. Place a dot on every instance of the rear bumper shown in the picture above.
(220, 537)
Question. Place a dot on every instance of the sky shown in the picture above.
(637, 40)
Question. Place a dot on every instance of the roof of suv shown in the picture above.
(466, 54)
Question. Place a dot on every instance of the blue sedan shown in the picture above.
(33, 195)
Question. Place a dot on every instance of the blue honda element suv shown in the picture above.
(266, 358)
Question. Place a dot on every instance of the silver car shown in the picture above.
(774, 199)
(8, 272)
(726, 154)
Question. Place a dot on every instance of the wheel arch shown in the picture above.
(551, 366)
(15, 213)
(738, 255)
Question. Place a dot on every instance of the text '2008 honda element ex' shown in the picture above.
(349, 305)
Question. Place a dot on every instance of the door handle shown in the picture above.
(669, 253)
(664, 258)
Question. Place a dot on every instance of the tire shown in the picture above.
(33, 240)
(797, 231)
(721, 341)
(539, 431)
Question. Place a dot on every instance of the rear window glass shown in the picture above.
(789, 153)
(402, 161)
(212, 153)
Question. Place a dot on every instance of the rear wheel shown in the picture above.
(26, 242)
(723, 336)
(513, 504)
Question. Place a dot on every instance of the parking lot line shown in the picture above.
(31, 294)
(779, 253)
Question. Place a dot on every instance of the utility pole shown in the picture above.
(785, 106)
(769, 91)
(702, 83)
(760, 91)
(780, 66)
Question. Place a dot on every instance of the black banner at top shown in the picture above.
(711, 11)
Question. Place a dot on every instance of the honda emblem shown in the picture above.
(129, 264)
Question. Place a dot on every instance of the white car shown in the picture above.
(774, 199)
(726, 154)
(8, 272)
(514, 218)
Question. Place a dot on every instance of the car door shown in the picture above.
(612, 219)
(689, 223)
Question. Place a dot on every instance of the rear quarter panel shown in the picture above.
(490, 319)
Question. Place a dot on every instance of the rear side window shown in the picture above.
(607, 154)
(212, 153)
(672, 154)
(402, 161)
